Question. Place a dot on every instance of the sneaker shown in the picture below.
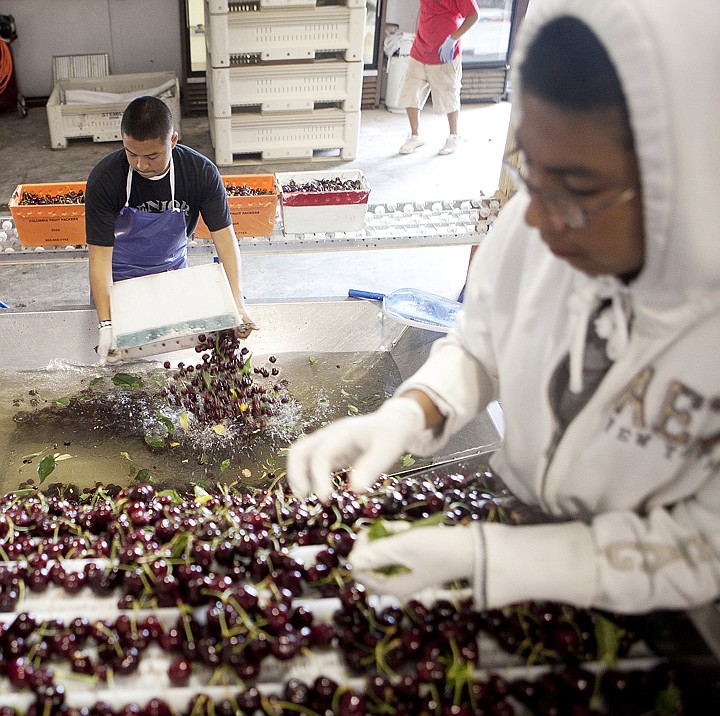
(413, 142)
(452, 143)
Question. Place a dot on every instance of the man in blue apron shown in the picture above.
(141, 204)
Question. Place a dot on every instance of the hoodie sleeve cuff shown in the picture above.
(537, 562)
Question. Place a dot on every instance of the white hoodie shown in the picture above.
(633, 487)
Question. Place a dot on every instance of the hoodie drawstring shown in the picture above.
(612, 325)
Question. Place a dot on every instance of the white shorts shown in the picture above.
(442, 80)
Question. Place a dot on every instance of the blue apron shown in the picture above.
(146, 242)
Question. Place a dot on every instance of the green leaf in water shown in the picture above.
(63, 401)
(127, 380)
(312, 360)
(97, 379)
(155, 441)
(207, 379)
(31, 456)
(143, 475)
(167, 423)
(125, 455)
(45, 467)
(352, 409)
(224, 465)
(270, 462)
(204, 460)
(407, 460)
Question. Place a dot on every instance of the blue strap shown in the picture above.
(355, 293)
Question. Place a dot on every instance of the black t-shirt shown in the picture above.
(198, 190)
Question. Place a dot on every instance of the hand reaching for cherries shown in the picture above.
(369, 444)
(398, 564)
(247, 326)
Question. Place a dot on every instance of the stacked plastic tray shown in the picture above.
(284, 78)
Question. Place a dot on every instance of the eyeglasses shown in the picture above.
(565, 207)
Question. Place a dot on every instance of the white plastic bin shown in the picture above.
(285, 87)
(279, 35)
(322, 212)
(100, 121)
(284, 136)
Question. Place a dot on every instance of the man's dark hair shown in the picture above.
(147, 118)
(566, 65)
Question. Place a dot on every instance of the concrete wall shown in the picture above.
(138, 36)
(403, 13)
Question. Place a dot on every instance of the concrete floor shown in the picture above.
(474, 170)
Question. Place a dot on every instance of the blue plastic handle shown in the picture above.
(355, 293)
(3, 305)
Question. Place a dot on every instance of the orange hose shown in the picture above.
(6, 65)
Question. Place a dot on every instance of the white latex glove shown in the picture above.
(447, 49)
(368, 444)
(433, 555)
(105, 336)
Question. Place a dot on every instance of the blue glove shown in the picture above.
(447, 49)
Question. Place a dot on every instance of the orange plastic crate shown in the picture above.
(48, 224)
(251, 215)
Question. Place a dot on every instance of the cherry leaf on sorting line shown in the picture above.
(669, 701)
(155, 441)
(433, 520)
(63, 401)
(392, 570)
(608, 637)
(201, 496)
(127, 380)
(407, 460)
(377, 530)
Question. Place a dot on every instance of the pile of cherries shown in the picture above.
(224, 386)
(322, 185)
(245, 190)
(70, 197)
(213, 585)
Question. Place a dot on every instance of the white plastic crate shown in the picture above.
(100, 121)
(218, 7)
(278, 34)
(322, 212)
(279, 136)
(285, 88)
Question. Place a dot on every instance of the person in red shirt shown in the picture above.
(435, 66)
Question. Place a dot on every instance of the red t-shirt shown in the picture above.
(438, 19)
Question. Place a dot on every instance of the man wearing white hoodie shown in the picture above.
(592, 313)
